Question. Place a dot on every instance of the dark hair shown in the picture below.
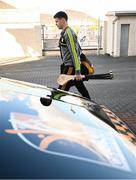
(60, 15)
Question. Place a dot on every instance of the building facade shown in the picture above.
(29, 33)
(120, 34)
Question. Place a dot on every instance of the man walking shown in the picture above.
(70, 54)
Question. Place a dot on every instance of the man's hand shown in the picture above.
(78, 77)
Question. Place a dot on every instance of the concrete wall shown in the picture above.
(110, 32)
(116, 38)
(104, 42)
(20, 33)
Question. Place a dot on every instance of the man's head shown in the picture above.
(61, 19)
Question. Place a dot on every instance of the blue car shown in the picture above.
(47, 133)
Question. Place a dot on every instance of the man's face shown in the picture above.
(60, 22)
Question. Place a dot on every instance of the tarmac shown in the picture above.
(119, 94)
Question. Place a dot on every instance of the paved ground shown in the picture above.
(119, 94)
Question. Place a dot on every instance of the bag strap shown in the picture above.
(80, 48)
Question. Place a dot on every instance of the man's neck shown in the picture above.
(65, 26)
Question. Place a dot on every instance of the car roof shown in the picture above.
(56, 125)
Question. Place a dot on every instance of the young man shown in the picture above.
(70, 54)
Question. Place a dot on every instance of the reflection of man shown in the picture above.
(70, 54)
(46, 101)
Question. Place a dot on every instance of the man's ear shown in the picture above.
(64, 20)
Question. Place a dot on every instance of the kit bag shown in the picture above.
(86, 65)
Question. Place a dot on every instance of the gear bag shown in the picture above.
(86, 65)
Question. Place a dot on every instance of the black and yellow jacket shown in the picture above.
(70, 49)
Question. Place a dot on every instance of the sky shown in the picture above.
(95, 8)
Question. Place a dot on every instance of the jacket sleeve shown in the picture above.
(72, 45)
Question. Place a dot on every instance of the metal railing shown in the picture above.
(89, 36)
